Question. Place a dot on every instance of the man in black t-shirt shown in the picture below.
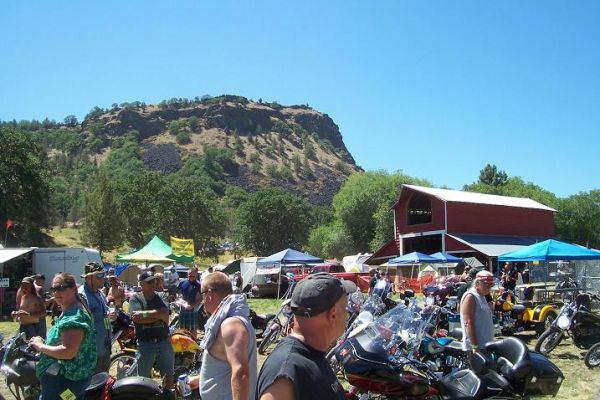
(297, 368)
(151, 317)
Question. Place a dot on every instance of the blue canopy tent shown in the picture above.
(550, 250)
(414, 258)
(287, 256)
(446, 257)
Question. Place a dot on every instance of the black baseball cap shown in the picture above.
(146, 276)
(317, 293)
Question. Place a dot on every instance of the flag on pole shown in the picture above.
(9, 224)
(182, 247)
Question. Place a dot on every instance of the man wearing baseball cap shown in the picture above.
(96, 301)
(297, 368)
(476, 316)
(151, 318)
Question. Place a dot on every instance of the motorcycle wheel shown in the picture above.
(548, 341)
(268, 339)
(123, 365)
(592, 357)
(543, 327)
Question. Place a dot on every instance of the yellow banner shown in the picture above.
(182, 247)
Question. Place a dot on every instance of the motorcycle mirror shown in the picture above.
(356, 297)
(365, 317)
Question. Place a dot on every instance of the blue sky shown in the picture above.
(436, 89)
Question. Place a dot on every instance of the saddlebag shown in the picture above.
(544, 378)
(462, 384)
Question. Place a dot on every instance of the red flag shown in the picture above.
(9, 224)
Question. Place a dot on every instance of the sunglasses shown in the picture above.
(99, 276)
(59, 288)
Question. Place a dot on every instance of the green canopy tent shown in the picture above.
(154, 251)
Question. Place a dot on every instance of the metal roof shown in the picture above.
(458, 196)
(9, 254)
(493, 246)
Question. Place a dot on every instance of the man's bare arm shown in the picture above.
(467, 314)
(281, 389)
(235, 339)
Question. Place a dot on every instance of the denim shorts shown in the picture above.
(160, 352)
(53, 386)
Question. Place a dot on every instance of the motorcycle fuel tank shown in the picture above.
(369, 370)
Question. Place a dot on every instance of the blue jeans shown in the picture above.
(160, 352)
(53, 386)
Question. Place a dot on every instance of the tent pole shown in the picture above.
(279, 282)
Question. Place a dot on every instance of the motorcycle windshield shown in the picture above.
(397, 332)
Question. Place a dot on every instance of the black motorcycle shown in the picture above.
(575, 320)
(379, 362)
(19, 362)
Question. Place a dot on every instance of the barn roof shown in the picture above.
(457, 196)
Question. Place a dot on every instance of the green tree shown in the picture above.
(330, 240)
(138, 206)
(362, 207)
(271, 220)
(189, 212)
(491, 175)
(103, 224)
(70, 120)
(24, 186)
(578, 219)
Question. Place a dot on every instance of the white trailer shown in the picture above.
(48, 261)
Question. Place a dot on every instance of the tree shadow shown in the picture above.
(568, 356)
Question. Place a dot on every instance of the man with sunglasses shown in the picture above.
(151, 317)
(96, 301)
(476, 315)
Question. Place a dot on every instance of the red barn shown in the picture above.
(429, 220)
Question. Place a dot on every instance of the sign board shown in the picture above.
(4, 282)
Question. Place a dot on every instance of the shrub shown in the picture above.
(183, 137)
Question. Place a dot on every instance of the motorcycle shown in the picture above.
(379, 361)
(188, 354)
(575, 320)
(515, 317)
(18, 366)
(439, 293)
(279, 326)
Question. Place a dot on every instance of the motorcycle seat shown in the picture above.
(97, 383)
(456, 333)
(513, 359)
(265, 317)
(528, 304)
(135, 385)
(518, 309)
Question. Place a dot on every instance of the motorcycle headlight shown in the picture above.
(429, 301)
(563, 322)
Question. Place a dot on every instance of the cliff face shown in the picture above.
(304, 145)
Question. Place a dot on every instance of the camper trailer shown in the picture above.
(17, 263)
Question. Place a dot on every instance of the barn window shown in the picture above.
(419, 209)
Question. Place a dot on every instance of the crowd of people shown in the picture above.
(78, 344)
